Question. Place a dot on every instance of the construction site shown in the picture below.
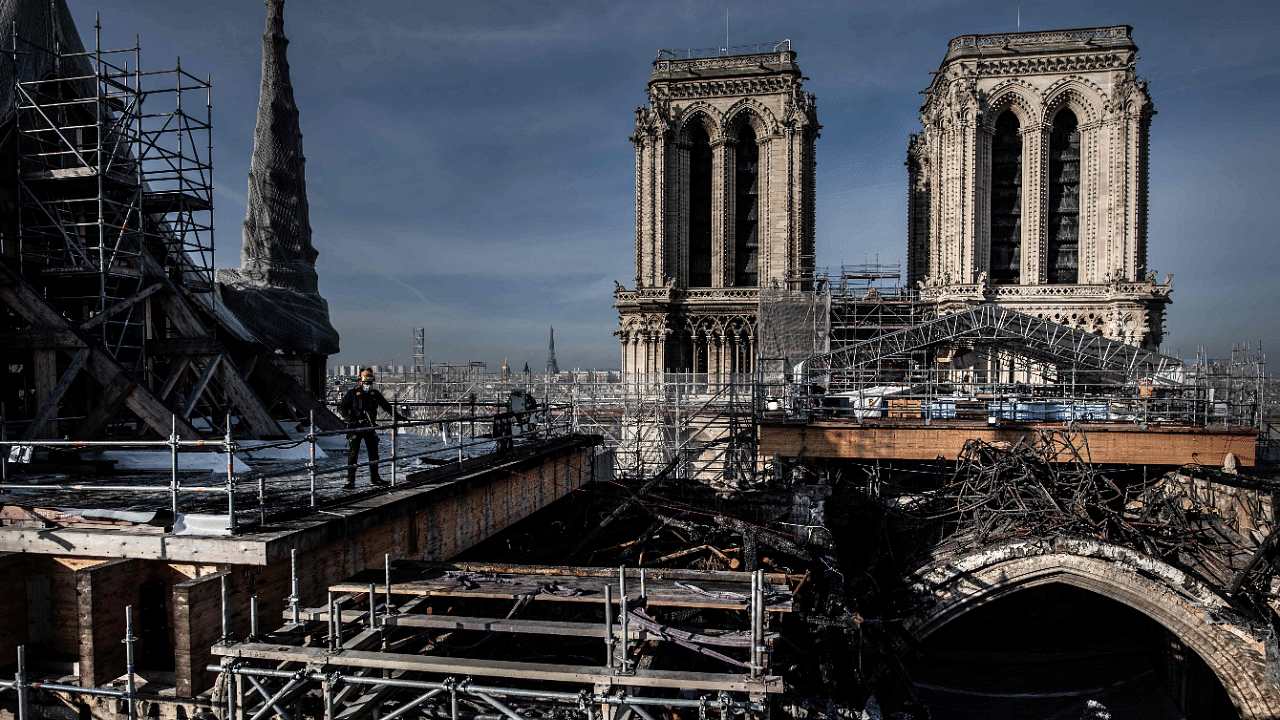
(878, 490)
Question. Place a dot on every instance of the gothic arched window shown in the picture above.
(699, 208)
(746, 238)
(1006, 201)
(1063, 262)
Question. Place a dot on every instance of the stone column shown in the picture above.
(725, 245)
(718, 208)
(680, 214)
(722, 354)
(1035, 198)
(982, 202)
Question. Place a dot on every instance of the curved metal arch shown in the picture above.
(1041, 339)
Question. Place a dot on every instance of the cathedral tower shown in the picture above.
(724, 205)
(1028, 183)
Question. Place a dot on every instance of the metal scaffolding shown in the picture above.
(410, 637)
(113, 171)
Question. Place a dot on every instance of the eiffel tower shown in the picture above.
(552, 365)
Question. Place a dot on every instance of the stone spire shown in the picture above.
(552, 365)
(275, 291)
(277, 226)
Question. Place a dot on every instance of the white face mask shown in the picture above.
(367, 387)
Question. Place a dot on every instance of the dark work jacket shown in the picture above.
(360, 407)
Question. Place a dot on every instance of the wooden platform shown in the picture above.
(665, 587)
(898, 439)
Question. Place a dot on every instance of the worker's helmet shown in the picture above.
(366, 375)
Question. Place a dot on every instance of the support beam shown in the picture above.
(249, 405)
(19, 295)
(39, 339)
(108, 406)
(298, 396)
(50, 404)
(201, 384)
(121, 306)
(175, 374)
(207, 345)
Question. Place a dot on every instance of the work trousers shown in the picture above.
(370, 439)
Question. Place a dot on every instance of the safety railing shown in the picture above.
(549, 422)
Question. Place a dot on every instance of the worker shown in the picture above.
(359, 407)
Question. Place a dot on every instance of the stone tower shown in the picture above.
(724, 206)
(1028, 182)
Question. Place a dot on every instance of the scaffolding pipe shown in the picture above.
(272, 701)
(412, 704)
(253, 617)
(311, 464)
(625, 665)
(20, 682)
(608, 625)
(226, 613)
(231, 478)
(499, 706)
(173, 463)
(294, 599)
(130, 680)
(471, 689)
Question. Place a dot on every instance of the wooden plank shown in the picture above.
(44, 368)
(102, 593)
(40, 338)
(14, 572)
(320, 658)
(588, 571)
(121, 306)
(197, 624)
(660, 592)
(50, 404)
(198, 389)
(913, 440)
(481, 624)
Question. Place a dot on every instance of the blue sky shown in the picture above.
(469, 170)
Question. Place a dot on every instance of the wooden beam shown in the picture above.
(201, 383)
(121, 306)
(35, 309)
(320, 658)
(39, 339)
(175, 374)
(250, 406)
(1125, 444)
(298, 395)
(44, 371)
(50, 404)
(106, 408)
(206, 345)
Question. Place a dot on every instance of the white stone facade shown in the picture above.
(1028, 182)
(724, 206)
